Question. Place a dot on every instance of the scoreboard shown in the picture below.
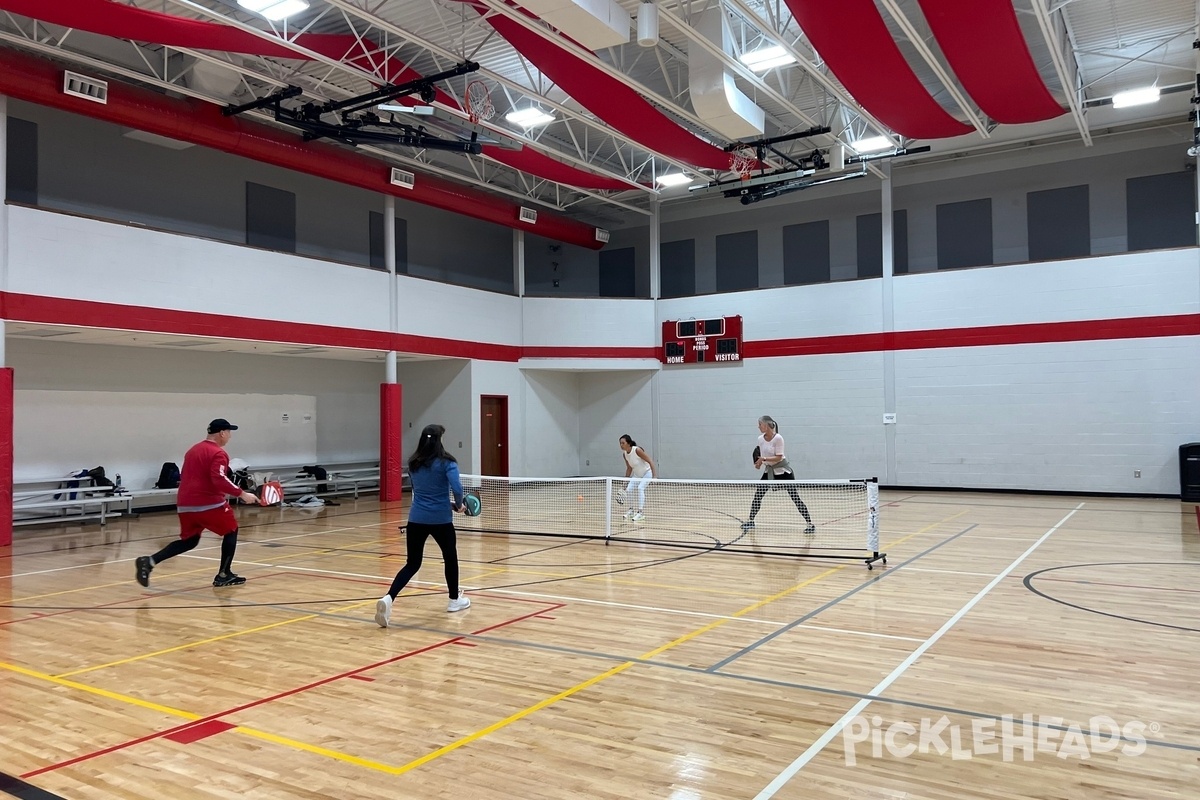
(702, 341)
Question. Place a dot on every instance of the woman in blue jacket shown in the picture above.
(434, 475)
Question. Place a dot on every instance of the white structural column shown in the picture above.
(655, 294)
(389, 260)
(889, 324)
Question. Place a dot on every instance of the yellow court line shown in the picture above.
(172, 575)
(124, 698)
(210, 640)
(381, 767)
(623, 582)
(175, 712)
(441, 751)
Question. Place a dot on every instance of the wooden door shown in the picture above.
(493, 426)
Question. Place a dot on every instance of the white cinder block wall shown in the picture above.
(208, 385)
(1074, 416)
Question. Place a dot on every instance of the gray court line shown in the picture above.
(795, 623)
(699, 671)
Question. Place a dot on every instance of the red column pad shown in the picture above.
(995, 68)
(6, 456)
(858, 47)
(390, 433)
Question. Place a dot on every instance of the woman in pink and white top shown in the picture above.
(772, 461)
(639, 467)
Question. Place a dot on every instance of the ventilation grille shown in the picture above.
(601, 235)
(405, 180)
(528, 215)
(87, 88)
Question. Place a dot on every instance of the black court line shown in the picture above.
(26, 791)
(1029, 579)
(824, 690)
(795, 623)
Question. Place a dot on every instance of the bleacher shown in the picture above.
(42, 501)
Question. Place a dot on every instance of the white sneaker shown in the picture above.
(626, 515)
(383, 610)
(460, 603)
(638, 516)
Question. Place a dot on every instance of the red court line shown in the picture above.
(198, 732)
(477, 592)
(363, 678)
(280, 695)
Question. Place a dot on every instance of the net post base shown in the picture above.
(882, 557)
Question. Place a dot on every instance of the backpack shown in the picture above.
(98, 477)
(320, 473)
(71, 484)
(168, 476)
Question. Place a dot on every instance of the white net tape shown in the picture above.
(768, 516)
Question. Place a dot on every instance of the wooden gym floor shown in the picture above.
(585, 671)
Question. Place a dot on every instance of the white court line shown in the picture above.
(639, 608)
(816, 747)
(509, 591)
(857, 633)
(948, 572)
(198, 549)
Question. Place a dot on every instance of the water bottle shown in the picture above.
(117, 483)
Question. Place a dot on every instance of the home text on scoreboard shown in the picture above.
(702, 341)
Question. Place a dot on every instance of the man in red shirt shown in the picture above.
(202, 505)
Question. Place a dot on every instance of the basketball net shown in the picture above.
(479, 102)
(743, 161)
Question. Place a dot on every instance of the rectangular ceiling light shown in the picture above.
(529, 117)
(766, 58)
(274, 10)
(673, 179)
(872, 144)
(417, 111)
(1135, 97)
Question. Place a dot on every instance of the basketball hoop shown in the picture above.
(743, 161)
(479, 102)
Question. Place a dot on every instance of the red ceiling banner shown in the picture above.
(127, 22)
(612, 101)
(996, 69)
(853, 39)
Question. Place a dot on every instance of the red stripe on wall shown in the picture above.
(590, 352)
(1091, 330)
(93, 314)
(86, 313)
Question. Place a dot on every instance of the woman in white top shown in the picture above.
(640, 466)
(774, 465)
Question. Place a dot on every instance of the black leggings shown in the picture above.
(761, 492)
(416, 533)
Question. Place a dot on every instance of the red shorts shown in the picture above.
(218, 520)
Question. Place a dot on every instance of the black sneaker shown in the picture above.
(228, 580)
(144, 566)
(748, 525)
(810, 529)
